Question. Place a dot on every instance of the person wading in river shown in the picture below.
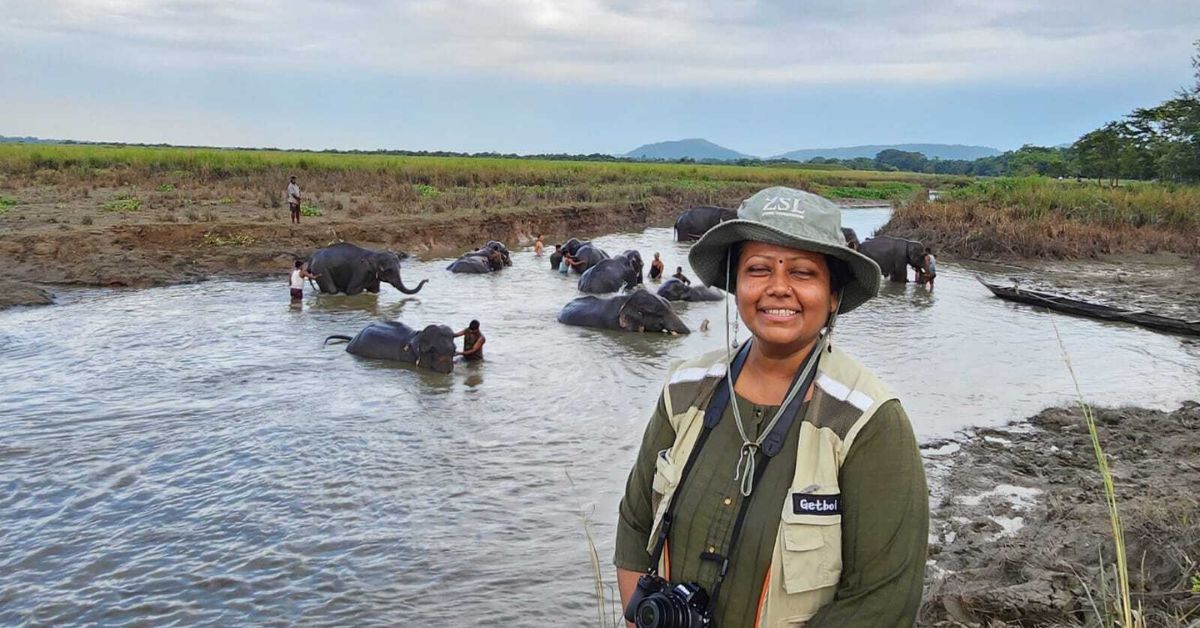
(472, 342)
(296, 280)
(656, 268)
(782, 479)
(929, 270)
(538, 247)
(681, 277)
(293, 198)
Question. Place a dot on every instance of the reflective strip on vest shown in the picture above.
(807, 559)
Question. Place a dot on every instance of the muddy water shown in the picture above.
(193, 453)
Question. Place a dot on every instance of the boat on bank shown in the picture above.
(1067, 305)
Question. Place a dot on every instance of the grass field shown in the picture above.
(432, 176)
(1041, 217)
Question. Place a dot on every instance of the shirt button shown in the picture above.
(728, 501)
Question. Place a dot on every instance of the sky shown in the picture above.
(580, 76)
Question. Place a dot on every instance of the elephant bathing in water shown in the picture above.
(675, 290)
(431, 348)
(693, 222)
(612, 274)
(894, 255)
(351, 269)
(637, 311)
(492, 257)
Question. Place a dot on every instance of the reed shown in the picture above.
(1039, 217)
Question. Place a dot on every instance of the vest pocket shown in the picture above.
(812, 554)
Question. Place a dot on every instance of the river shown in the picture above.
(194, 454)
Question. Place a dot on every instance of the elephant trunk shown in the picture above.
(399, 285)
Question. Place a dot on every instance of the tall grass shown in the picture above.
(438, 172)
(1040, 217)
(1124, 601)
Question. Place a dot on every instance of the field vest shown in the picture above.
(807, 559)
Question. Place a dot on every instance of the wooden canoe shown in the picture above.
(1094, 310)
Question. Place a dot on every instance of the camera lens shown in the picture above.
(651, 612)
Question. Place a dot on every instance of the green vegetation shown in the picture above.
(225, 200)
(166, 187)
(6, 204)
(427, 191)
(238, 239)
(124, 203)
(1038, 217)
(874, 190)
(308, 209)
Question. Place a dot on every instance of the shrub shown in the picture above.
(308, 209)
(166, 187)
(123, 203)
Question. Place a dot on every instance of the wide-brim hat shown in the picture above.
(785, 217)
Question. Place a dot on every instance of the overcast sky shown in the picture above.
(579, 76)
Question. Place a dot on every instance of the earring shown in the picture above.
(734, 344)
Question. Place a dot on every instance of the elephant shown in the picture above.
(431, 348)
(692, 223)
(637, 311)
(491, 257)
(851, 238)
(893, 255)
(345, 267)
(570, 247)
(675, 290)
(612, 274)
(589, 255)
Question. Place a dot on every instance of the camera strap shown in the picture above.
(776, 437)
(712, 416)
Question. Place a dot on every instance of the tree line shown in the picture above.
(1155, 143)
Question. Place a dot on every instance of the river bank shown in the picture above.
(1020, 529)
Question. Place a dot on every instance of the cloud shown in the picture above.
(700, 43)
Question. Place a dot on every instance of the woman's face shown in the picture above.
(783, 294)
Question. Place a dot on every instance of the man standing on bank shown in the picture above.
(293, 198)
(783, 479)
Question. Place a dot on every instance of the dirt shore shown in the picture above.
(50, 243)
(1020, 528)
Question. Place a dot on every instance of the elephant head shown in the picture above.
(643, 311)
(386, 266)
(635, 260)
(851, 237)
(673, 290)
(915, 253)
(572, 246)
(434, 348)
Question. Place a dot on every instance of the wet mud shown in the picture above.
(1021, 535)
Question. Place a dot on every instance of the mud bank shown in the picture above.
(143, 254)
(1020, 528)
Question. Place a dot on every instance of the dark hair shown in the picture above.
(928, 250)
(474, 326)
(299, 263)
(840, 274)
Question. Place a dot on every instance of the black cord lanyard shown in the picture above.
(771, 446)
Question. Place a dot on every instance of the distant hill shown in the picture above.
(932, 151)
(4, 139)
(696, 148)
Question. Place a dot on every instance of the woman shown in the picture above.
(784, 479)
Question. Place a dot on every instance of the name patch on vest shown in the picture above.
(807, 504)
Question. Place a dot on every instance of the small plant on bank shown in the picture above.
(225, 200)
(427, 191)
(166, 187)
(123, 203)
(237, 239)
(6, 204)
(1196, 583)
(308, 209)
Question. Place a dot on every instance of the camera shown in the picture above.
(657, 603)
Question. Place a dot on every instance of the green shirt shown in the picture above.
(885, 518)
